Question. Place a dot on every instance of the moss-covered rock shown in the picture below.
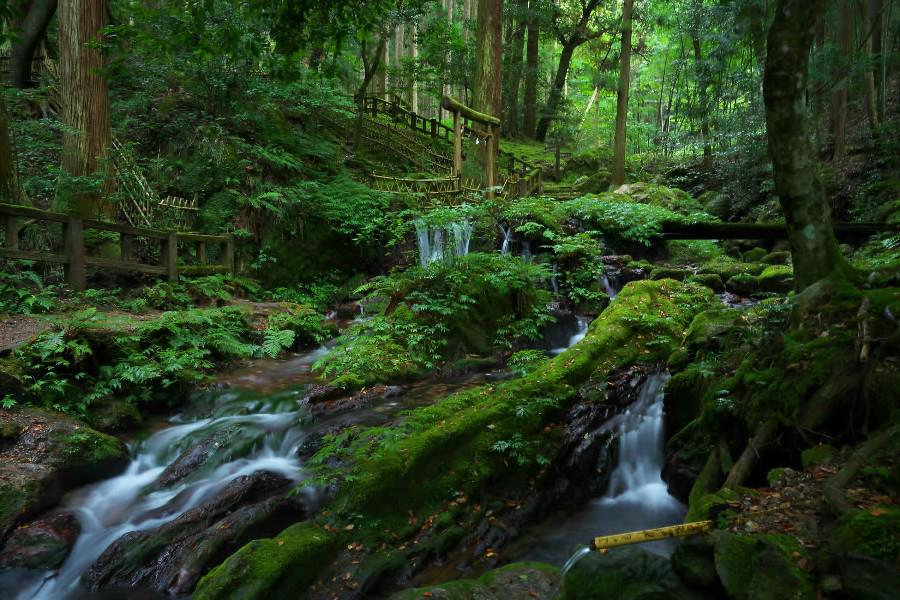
(595, 183)
(669, 273)
(762, 567)
(779, 257)
(874, 532)
(290, 561)
(693, 562)
(710, 280)
(716, 204)
(817, 455)
(715, 329)
(867, 578)
(693, 251)
(518, 580)
(654, 194)
(742, 284)
(755, 255)
(626, 573)
(727, 267)
(777, 279)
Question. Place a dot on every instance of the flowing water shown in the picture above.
(438, 243)
(637, 497)
(507, 239)
(268, 423)
(581, 327)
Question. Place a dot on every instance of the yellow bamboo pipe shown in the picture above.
(650, 535)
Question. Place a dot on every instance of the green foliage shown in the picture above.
(526, 361)
(24, 292)
(431, 314)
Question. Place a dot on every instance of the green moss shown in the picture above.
(710, 280)
(289, 562)
(715, 329)
(742, 284)
(659, 195)
(874, 532)
(817, 455)
(693, 251)
(727, 267)
(777, 279)
(669, 273)
(781, 257)
(516, 580)
(758, 567)
(701, 499)
(774, 476)
(755, 255)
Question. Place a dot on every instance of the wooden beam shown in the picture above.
(169, 255)
(756, 231)
(455, 106)
(73, 242)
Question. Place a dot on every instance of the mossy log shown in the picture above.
(455, 106)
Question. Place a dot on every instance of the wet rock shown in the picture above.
(867, 578)
(693, 562)
(623, 573)
(114, 415)
(42, 455)
(363, 398)
(42, 544)
(710, 280)
(742, 284)
(518, 580)
(715, 329)
(669, 273)
(759, 567)
(173, 557)
(318, 393)
(221, 447)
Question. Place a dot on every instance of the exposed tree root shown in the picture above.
(764, 436)
(834, 487)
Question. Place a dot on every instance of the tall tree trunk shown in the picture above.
(529, 123)
(7, 182)
(703, 96)
(85, 103)
(870, 52)
(839, 96)
(514, 72)
(813, 245)
(877, 10)
(30, 32)
(412, 86)
(618, 172)
(488, 77)
(556, 89)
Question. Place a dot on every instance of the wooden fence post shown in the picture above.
(229, 254)
(169, 255)
(12, 232)
(73, 243)
(201, 253)
(126, 247)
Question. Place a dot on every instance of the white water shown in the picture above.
(507, 239)
(438, 243)
(131, 502)
(636, 498)
(607, 286)
(583, 323)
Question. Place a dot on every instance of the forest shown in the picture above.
(450, 299)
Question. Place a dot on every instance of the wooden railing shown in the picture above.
(75, 258)
(518, 170)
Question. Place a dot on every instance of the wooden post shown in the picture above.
(457, 144)
(490, 162)
(126, 247)
(73, 244)
(12, 232)
(169, 255)
(434, 127)
(412, 121)
(556, 168)
(229, 254)
(201, 253)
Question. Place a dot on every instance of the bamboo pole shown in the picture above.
(650, 535)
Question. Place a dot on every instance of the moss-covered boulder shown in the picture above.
(693, 251)
(778, 279)
(867, 578)
(716, 204)
(45, 454)
(727, 267)
(518, 580)
(715, 329)
(762, 567)
(654, 194)
(778, 257)
(41, 544)
(669, 273)
(693, 562)
(742, 284)
(626, 573)
(710, 280)
(755, 255)
(595, 183)
(874, 532)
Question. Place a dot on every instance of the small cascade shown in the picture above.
(581, 331)
(437, 243)
(507, 239)
(554, 285)
(637, 497)
(606, 285)
(526, 251)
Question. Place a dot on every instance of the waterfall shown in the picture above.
(526, 251)
(507, 238)
(606, 285)
(553, 284)
(438, 243)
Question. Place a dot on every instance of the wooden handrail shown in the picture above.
(75, 258)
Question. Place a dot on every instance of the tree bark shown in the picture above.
(85, 103)
(30, 32)
(488, 78)
(7, 187)
(556, 90)
(703, 96)
(514, 72)
(840, 95)
(529, 120)
(870, 51)
(807, 215)
(618, 171)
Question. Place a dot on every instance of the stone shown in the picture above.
(755, 254)
(716, 204)
(518, 580)
(761, 567)
(781, 257)
(626, 572)
(41, 544)
(710, 280)
(742, 284)
(693, 562)
(669, 273)
(867, 578)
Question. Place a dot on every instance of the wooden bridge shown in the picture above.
(75, 258)
(395, 129)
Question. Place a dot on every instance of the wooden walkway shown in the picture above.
(75, 259)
